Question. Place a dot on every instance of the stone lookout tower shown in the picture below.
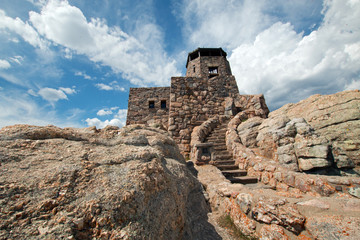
(208, 90)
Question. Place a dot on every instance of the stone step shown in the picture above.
(221, 152)
(234, 173)
(217, 134)
(219, 131)
(223, 157)
(243, 180)
(227, 167)
(215, 139)
(220, 147)
(225, 162)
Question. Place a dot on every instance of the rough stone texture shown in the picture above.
(138, 106)
(264, 213)
(129, 183)
(335, 116)
(302, 143)
(201, 95)
(271, 211)
(248, 131)
(334, 227)
(194, 100)
(272, 232)
(276, 170)
(199, 134)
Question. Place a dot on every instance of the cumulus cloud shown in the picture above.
(119, 119)
(24, 29)
(4, 64)
(53, 95)
(104, 112)
(112, 86)
(65, 25)
(287, 66)
(222, 23)
(303, 54)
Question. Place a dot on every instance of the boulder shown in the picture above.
(129, 183)
(336, 116)
(248, 131)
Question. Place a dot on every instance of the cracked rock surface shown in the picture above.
(129, 183)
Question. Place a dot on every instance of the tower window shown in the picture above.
(151, 104)
(213, 70)
(194, 68)
(163, 103)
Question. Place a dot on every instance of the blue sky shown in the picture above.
(71, 63)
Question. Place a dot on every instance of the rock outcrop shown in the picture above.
(337, 118)
(129, 183)
(265, 213)
(321, 132)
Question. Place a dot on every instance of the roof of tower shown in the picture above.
(205, 52)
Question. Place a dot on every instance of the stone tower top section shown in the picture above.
(207, 62)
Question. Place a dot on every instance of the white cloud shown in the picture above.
(32, 93)
(229, 23)
(12, 79)
(26, 31)
(83, 74)
(18, 108)
(286, 50)
(287, 66)
(17, 59)
(112, 86)
(118, 120)
(104, 112)
(139, 59)
(102, 86)
(122, 114)
(101, 124)
(53, 95)
(68, 90)
(355, 84)
(222, 23)
(4, 64)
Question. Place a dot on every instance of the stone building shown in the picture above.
(209, 89)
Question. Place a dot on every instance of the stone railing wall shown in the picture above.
(200, 133)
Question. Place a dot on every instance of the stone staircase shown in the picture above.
(224, 160)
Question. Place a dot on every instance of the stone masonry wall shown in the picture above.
(138, 106)
(193, 101)
(203, 63)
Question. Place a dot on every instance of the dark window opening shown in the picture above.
(205, 150)
(151, 104)
(213, 71)
(194, 68)
(163, 103)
